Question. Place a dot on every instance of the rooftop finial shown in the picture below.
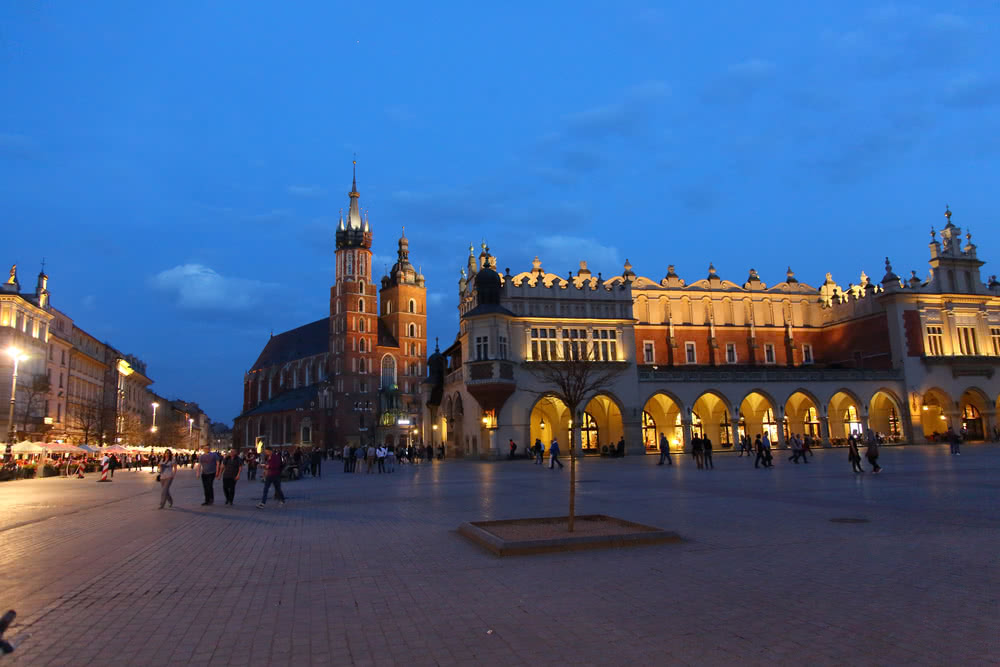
(354, 179)
(933, 235)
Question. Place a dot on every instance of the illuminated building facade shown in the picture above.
(352, 377)
(904, 358)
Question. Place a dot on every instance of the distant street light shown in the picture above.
(190, 431)
(153, 428)
(18, 356)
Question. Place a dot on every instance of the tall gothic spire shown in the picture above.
(354, 215)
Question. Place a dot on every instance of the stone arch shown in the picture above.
(936, 413)
(605, 420)
(660, 413)
(844, 410)
(758, 415)
(885, 415)
(802, 414)
(973, 406)
(548, 418)
(712, 417)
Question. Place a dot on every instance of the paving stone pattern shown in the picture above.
(369, 569)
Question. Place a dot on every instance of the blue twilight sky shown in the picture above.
(181, 165)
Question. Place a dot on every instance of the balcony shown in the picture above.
(490, 381)
(766, 374)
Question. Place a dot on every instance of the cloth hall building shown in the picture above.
(906, 358)
(352, 377)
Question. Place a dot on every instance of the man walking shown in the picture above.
(316, 463)
(211, 466)
(953, 441)
(554, 455)
(706, 448)
(231, 467)
(272, 475)
(380, 458)
(664, 450)
(538, 451)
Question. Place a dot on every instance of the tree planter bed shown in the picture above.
(521, 537)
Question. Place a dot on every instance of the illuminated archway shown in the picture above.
(802, 415)
(664, 414)
(844, 411)
(934, 413)
(710, 417)
(757, 416)
(606, 423)
(972, 405)
(885, 416)
(549, 419)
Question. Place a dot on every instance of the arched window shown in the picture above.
(361, 365)
(361, 305)
(893, 421)
(388, 372)
(811, 422)
(361, 345)
(589, 433)
(972, 423)
(725, 429)
(851, 420)
(413, 306)
(350, 264)
(411, 330)
(388, 307)
(361, 324)
(770, 426)
(649, 432)
(697, 430)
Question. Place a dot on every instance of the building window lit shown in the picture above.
(893, 422)
(852, 422)
(770, 426)
(543, 344)
(807, 354)
(589, 433)
(725, 429)
(648, 355)
(995, 336)
(730, 353)
(972, 422)
(690, 353)
(935, 341)
(967, 344)
(768, 353)
(605, 348)
(811, 423)
(649, 432)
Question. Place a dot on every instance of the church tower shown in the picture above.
(404, 316)
(353, 322)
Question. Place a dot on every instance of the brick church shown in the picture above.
(352, 377)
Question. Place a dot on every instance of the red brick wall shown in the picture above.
(862, 343)
(913, 333)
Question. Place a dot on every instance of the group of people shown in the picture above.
(210, 465)
(538, 453)
(383, 458)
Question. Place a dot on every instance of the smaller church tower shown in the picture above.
(403, 314)
(353, 319)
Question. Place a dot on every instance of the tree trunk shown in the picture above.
(572, 475)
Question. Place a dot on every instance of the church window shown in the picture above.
(413, 306)
(935, 341)
(361, 305)
(361, 324)
(388, 307)
(388, 372)
(411, 330)
(361, 345)
(350, 264)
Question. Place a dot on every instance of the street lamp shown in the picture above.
(190, 430)
(18, 356)
(153, 427)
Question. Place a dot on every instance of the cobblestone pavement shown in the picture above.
(369, 569)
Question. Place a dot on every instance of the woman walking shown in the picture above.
(167, 471)
(872, 455)
(853, 455)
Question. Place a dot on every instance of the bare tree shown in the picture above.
(86, 417)
(31, 395)
(134, 432)
(573, 381)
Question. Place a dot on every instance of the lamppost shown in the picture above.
(190, 431)
(152, 429)
(18, 356)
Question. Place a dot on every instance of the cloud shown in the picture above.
(436, 298)
(198, 287)
(739, 82)
(306, 191)
(562, 253)
(973, 90)
(621, 118)
(17, 147)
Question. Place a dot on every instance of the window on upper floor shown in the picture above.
(769, 357)
(807, 353)
(995, 336)
(543, 344)
(731, 353)
(361, 305)
(648, 352)
(605, 345)
(501, 347)
(482, 347)
(935, 341)
(690, 353)
(388, 372)
(967, 343)
(411, 330)
(413, 306)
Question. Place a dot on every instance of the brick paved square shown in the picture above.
(369, 569)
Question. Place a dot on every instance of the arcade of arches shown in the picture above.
(601, 423)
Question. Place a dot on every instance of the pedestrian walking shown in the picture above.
(168, 469)
(872, 455)
(316, 463)
(252, 466)
(554, 454)
(390, 459)
(761, 453)
(797, 452)
(380, 458)
(697, 452)
(664, 450)
(706, 452)
(953, 441)
(766, 441)
(231, 467)
(539, 450)
(211, 466)
(272, 476)
(853, 455)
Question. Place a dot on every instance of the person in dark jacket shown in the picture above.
(697, 452)
(272, 476)
(706, 452)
